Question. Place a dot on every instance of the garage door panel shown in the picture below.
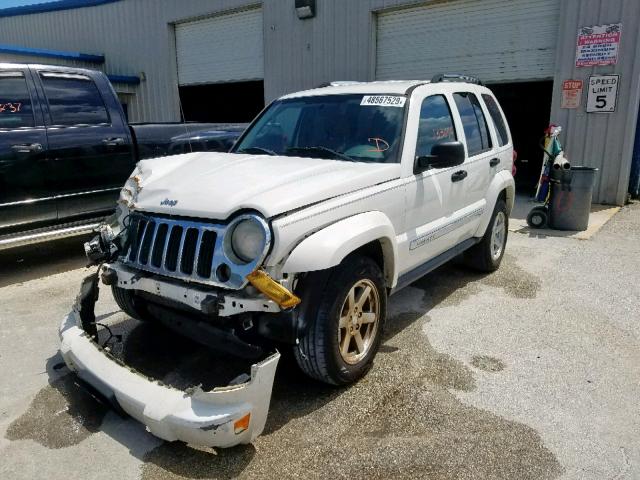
(498, 40)
(224, 48)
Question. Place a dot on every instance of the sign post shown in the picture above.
(603, 93)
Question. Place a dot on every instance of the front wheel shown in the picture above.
(342, 340)
(130, 305)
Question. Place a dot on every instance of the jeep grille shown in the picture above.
(183, 249)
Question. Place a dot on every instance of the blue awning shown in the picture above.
(128, 79)
(51, 7)
(45, 52)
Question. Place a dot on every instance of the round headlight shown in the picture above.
(248, 239)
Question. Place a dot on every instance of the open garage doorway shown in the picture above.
(234, 102)
(527, 106)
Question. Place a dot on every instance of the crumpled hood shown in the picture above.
(215, 185)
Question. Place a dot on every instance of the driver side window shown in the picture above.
(435, 125)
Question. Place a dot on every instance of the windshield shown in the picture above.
(360, 128)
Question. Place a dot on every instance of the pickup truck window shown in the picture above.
(473, 122)
(15, 104)
(436, 124)
(498, 119)
(354, 127)
(74, 100)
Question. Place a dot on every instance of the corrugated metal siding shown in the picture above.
(338, 44)
(136, 36)
(497, 40)
(223, 48)
(604, 141)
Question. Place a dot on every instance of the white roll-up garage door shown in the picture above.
(497, 40)
(225, 48)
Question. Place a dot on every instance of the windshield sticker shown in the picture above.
(381, 144)
(383, 101)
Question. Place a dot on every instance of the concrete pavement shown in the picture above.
(531, 372)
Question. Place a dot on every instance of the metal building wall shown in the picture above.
(134, 35)
(602, 140)
(338, 44)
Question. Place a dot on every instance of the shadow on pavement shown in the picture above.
(402, 419)
(29, 262)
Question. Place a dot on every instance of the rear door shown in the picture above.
(501, 135)
(26, 194)
(471, 179)
(89, 142)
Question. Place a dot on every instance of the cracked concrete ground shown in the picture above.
(530, 373)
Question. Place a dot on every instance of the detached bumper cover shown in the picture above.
(193, 416)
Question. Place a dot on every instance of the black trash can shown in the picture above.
(570, 205)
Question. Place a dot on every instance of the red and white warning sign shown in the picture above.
(571, 93)
(598, 45)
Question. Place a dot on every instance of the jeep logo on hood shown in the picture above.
(170, 203)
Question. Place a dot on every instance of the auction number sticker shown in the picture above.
(383, 100)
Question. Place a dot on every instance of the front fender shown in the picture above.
(329, 246)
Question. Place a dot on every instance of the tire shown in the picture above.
(130, 305)
(319, 353)
(484, 256)
(538, 217)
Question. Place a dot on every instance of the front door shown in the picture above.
(26, 195)
(430, 221)
(89, 143)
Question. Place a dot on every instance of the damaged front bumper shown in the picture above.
(223, 417)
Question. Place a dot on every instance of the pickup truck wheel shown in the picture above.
(344, 337)
(129, 304)
(487, 255)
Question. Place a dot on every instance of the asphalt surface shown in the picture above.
(532, 372)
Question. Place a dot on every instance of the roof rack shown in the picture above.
(455, 77)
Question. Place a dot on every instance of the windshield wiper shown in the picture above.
(257, 150)
(319, 148)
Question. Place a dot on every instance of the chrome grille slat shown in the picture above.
(147, 234)
(180, 250)
(196, 256)
(166, 245)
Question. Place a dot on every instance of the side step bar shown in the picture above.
(48, 233)
(429, 266)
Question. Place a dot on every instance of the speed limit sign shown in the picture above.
(603, 93)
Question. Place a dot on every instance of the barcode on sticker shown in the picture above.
(383, 100)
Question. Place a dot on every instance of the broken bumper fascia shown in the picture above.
(191, 295)
(197, 417)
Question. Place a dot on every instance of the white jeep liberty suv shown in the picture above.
(332, 200)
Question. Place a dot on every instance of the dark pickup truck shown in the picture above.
(66, 149)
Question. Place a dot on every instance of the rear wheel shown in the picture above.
(343, 338)
(129, 304)
(487, 255)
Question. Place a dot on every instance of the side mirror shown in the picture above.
(443, 155)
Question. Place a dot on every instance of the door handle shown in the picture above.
(493, 162)
(27, 147)
(114, 141)
(459, 175)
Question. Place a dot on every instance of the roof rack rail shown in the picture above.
(338, 83)
(455, 77)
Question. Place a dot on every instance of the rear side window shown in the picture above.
(16, 110)
(498, 119)
(74, 100)
(473, 122)
(436, 124)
